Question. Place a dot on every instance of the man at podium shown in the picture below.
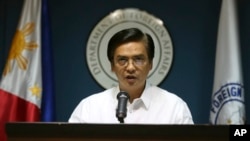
(134, 100)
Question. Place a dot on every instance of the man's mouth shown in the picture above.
(131, 78)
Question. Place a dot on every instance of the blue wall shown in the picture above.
(192, 26)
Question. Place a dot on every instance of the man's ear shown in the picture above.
(112, 67)
(151, 65)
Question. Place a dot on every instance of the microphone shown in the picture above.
(121, 111)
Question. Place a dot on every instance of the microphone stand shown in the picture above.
(121, 120)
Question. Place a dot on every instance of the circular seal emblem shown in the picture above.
(96, 53)
(228, 105)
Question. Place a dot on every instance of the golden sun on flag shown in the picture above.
(36, 90)
(19, 44)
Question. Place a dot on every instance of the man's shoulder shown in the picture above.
(108, 93)
(163, 93)
(157, 89)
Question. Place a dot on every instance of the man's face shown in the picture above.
(131, 65)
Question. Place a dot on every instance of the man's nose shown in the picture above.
(130, 67)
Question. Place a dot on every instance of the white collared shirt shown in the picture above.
(155, 106)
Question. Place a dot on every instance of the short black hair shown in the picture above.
(130, 35)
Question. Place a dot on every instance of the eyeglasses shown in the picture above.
(137, 60)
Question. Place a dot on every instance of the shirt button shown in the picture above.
(130, 110)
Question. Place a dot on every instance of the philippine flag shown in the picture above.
(21, 83)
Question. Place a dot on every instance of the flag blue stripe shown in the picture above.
(48, 97)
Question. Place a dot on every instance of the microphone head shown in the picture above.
(123, 94)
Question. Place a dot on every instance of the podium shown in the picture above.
(62, 131)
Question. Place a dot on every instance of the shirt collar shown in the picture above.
(145, 97)
(116, 90)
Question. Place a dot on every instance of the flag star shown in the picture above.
(35, 90)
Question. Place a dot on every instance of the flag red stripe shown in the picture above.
(15, 109)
